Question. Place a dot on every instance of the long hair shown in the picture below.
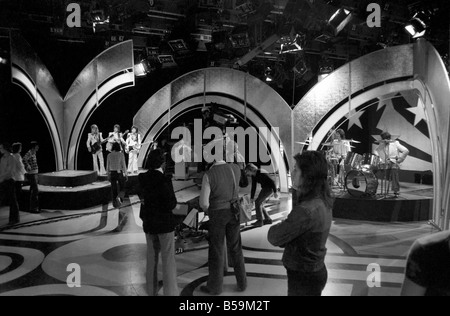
(314, 168)
(16, 148)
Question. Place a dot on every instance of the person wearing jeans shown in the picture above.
(117, 174)
(268, 187)
(158, 202)
(305, 232)
(220, 187)
(31, 166)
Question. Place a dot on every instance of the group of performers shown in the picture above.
(131, 146)
(386, 159)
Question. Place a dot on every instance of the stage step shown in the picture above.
(70, 198)
(67, 178)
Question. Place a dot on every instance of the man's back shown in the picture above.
(222, 188)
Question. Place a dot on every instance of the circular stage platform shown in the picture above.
(415, 204)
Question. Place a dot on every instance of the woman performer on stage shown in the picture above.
(133, 145)
(94, 146)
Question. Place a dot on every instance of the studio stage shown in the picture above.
(414, 204)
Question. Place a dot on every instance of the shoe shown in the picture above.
(241, 288)
(268, 221)
(258, 223)
(207, 290)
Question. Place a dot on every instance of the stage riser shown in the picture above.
(70, 179)
(395, 210)
(69, 201)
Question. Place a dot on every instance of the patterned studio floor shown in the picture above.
(109, 246)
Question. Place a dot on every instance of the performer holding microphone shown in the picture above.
(392, 155)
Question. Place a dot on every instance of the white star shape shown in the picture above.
(419, 112)
(354, 118)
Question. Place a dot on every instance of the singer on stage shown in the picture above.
(392, 155)
(94, 145)
(133, 147)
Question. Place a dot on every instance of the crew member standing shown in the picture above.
(19, 174)
(117, 174)
(32, 168)
(7, 184)
(392, 155)
(94, 145)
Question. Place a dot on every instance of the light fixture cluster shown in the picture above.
(417, 26)
(293, 45)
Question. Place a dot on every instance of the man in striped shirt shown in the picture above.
(32, 168)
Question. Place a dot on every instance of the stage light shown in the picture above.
(292, 46)
(417, 26)
(143, 68)
(99, 21)
(3, 61)
(339, 20)
(269, 74)
(326, 66)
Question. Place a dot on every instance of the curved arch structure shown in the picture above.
(243, 94)
(66, 118)
(28, 72)
(415, 67)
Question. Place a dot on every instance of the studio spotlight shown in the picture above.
(417, 26)
(143, 68)
(339, 20)
(293, 45)
(3, 61)
(269, 74)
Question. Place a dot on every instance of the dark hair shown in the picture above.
(386, 136)
(251, 167)
(314, 168)
(33, 145)
(6, 146)
(16, 147)
(135, 127)
(341, 132)
(116, 147)
(155, 159)
(117, 126)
